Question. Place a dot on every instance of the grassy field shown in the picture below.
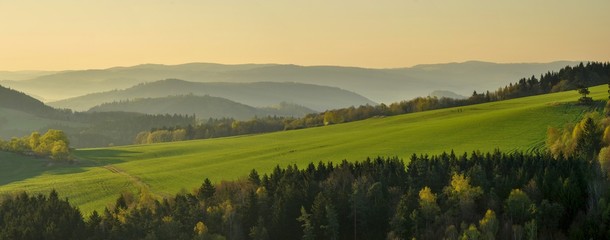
(165, 169)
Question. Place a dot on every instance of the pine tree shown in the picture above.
(308, 228)
(584, 91)
(331, 230)
(254, 178)
(206, 191)
(588, 145)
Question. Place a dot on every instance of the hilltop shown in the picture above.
(16, 100)
(257, 94)
(164, 169)
(20, 114)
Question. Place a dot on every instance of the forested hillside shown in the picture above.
(16, 100)
(21, 114)
(203, 107)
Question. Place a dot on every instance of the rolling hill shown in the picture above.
(52, 86)
(258, 94)
(12, 99)
(380, 85)
(164, 169)
(203, 107)
(21, 114)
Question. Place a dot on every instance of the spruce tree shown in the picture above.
(207, 190)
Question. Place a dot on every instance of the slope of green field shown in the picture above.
(164, 169)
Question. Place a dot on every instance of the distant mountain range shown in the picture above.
(258, 94)
(203, 107)
(446, 94)
(379, 85)
(23, 75)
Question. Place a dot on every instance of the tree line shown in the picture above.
(212, 128)
(116, 128)
(53, 144)
(567, 78)
(471, 196)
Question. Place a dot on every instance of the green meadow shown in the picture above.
(101, 174)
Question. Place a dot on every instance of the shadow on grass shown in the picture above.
(102, 157)
(15, 167)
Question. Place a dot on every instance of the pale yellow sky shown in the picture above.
(80, 34)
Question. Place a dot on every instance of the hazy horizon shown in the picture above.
(70, 34)
(288, 64)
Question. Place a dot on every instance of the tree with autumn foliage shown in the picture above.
(53, 144)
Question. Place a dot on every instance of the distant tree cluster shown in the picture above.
(162, 135)
(351, 114)
(212, 128)
(114, 128)
(476, 196)
(54, 144)
(567, 78)
(117, 128)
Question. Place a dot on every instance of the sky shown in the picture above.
(85, 34)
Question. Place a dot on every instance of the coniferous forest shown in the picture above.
(470, 196)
